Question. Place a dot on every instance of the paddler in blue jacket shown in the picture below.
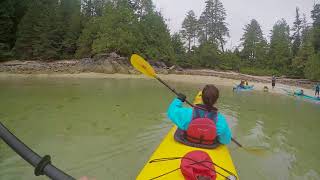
(182, 116)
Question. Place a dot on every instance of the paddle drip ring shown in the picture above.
(41, 165)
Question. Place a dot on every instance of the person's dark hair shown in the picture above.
(210, 95)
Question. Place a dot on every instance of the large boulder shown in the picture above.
(111, 63)
(113, 55)
(104, 66)
(85, 65)
(99, 64)
(120, 68)
(100, 57)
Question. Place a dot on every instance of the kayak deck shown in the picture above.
(170, 148)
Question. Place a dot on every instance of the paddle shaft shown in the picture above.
(175, 92)
(30, 156)
(236, 142)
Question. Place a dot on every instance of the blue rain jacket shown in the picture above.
(182, 116)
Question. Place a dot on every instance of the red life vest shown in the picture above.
(201, 131)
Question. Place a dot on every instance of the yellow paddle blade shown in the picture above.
(142, 65)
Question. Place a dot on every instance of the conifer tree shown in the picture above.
(190, 29)
(70, 26)
(296, 37)
(213, 26)
(36, 36)
(280, 52)
(254, 44)
(7, 28)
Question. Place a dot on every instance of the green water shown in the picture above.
(108, 128)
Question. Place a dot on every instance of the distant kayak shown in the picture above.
(244, 88)
(304, 96)
(307, 97)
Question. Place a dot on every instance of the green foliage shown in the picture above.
(305, 52)
(312, 66)
(230, 61)
(254, 44)
(213, 27)
(280, 53)
(48, 30)
(296, 33)
(259, 71)
(117, 30)
(316, 38)
(190, 29)
(69, 27)
(135, 30)
(36, 37)
(177, 44)
(88, 8)
(315, 14)
(56, 29)
(179, 50)
(88, 35)
(155, 39)
(142, 7)
(6, 30)
(312, 70)
(207, 55)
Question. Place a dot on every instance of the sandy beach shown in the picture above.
(197, 79)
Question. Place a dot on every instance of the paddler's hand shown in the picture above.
(182, 97)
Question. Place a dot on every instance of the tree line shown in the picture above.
(59, 29)
(292, 51)
(62, 29)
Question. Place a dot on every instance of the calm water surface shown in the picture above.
(108, 128)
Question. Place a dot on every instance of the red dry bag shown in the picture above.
(197, 165)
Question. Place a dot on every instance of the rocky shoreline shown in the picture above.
(112, 63)
(103, 63)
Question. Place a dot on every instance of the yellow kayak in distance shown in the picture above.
(169, 148)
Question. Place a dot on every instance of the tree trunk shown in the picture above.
(222, 47)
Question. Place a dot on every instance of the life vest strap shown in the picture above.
(213, 115)
(200, 140)
(180, 136)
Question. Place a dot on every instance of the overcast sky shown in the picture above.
(239, 13)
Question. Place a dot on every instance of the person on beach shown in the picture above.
(317, 90)
(273, 81)
(187, 119)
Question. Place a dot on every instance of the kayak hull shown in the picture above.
(169, 148)
(246, 88)
(308, 97)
